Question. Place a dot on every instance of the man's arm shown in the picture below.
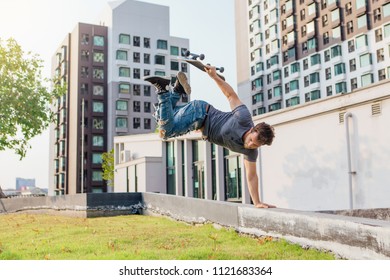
(227, 90)
(253, 183)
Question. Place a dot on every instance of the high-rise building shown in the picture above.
(290, 52)
(102, 67)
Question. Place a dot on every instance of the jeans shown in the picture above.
(178, 120)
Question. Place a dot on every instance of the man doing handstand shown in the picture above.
(233, 130)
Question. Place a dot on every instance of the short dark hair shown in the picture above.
(265, 133)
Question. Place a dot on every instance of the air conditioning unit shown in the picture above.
(125, 156)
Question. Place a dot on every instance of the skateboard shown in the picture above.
(196, 60)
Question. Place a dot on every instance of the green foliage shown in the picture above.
(135, 237)
(108, 166)
(24, 98)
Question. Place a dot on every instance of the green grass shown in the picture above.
(135, 237)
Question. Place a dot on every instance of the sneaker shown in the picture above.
(181, 84)
(160, 83)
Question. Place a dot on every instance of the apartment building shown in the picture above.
(103, 66)
(298, 51)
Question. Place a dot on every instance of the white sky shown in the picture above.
(41, 25)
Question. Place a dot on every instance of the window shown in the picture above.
(98, 123)
(380, 55)
(314, 78)
(354, 83)
(360, 4)
(97, 141)
(335, 15)
(136, 41)
(377, 15)
(175, 65)
(336, 51)
(339, 69)
(378, 35)
(311, 9)
(84, 72)
(348, 8)
(294, 85)
(98, 107)
(326, 38)
(381, 74)
(294, 67)
(276, 75)
(328, 73)
(136, 123)
(325, 20)
(315, 94)
(98, 41)
(329, 91)
(98, 73)
(292, 101)
(121, 105)
(174, 50)
(327, 55)
(136, 57)
(136, 90)
(387, 30)
(124, 39)
(136, 73)
(365, 60)
(315, 59)
(147, 90)
(362, 21)
(312, 43)
(349, 27)
(386, 10)
(147, 43)
(361, 41)
(352, 65)
(341, 87)
(84, 88)
(303, 14)
(98, 90)
(84, 39)
(367, 79)
(305, 64)
(124, 72)
(162, 44)
(124, 88)
(84, 55)
(146, 58)
(97, 158)
(336, 32)
(97, 176)
(121, 122)
(159, 59)
(147, 124)
(137, 106)
(147, 107)
(351, 46)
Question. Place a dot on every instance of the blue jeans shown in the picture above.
(178, 120)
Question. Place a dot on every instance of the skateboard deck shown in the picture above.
(200, 65)
(196, 60)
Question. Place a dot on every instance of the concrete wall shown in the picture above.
(348, 237)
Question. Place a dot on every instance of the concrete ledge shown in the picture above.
(348, 237)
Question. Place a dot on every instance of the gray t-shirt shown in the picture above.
(227, 129)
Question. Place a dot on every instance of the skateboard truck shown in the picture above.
(220, 69)
(194, 56)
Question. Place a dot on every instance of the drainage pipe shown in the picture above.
(350, 172)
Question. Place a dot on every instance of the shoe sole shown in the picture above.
(184, 82)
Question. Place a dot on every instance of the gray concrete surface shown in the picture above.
(347, 237)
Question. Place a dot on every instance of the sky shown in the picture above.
(40, 26)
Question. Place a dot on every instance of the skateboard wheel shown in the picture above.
(201, 56)
(187, 53)
(221, 69)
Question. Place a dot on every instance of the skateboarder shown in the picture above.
(233, 130)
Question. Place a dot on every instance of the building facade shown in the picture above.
(102, 67)
(298, 51)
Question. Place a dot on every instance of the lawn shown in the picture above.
(135, 237)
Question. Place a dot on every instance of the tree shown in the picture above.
(108, 166)
(24, 98)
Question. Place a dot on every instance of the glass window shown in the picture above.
(98, 57)
(336, 51)
(294, 85)
(362, 21)
(98, 107)
(147, 43)
(121, 105)
(335, 15)
(98, 41)
(341, 87)
(162, 44)
(387, 30)
(277, 91)
(159, 59)
(97, 158)
(98, 73)
(361, 41)
(124, 39)
(124, 72)
(276, 75)
(365, 60)
(174, 50)
(136, 41)
(336, 32)
(339, 69)
(124, 88)
(360, 4)
(97, 176)
(121, 55)
(311, 9)
(386, 10)
(121, 122)
(315, 59)
(98, 123)
(97, 141)
(367, 79)
(294, 67)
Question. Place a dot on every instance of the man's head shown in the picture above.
(261, 134)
